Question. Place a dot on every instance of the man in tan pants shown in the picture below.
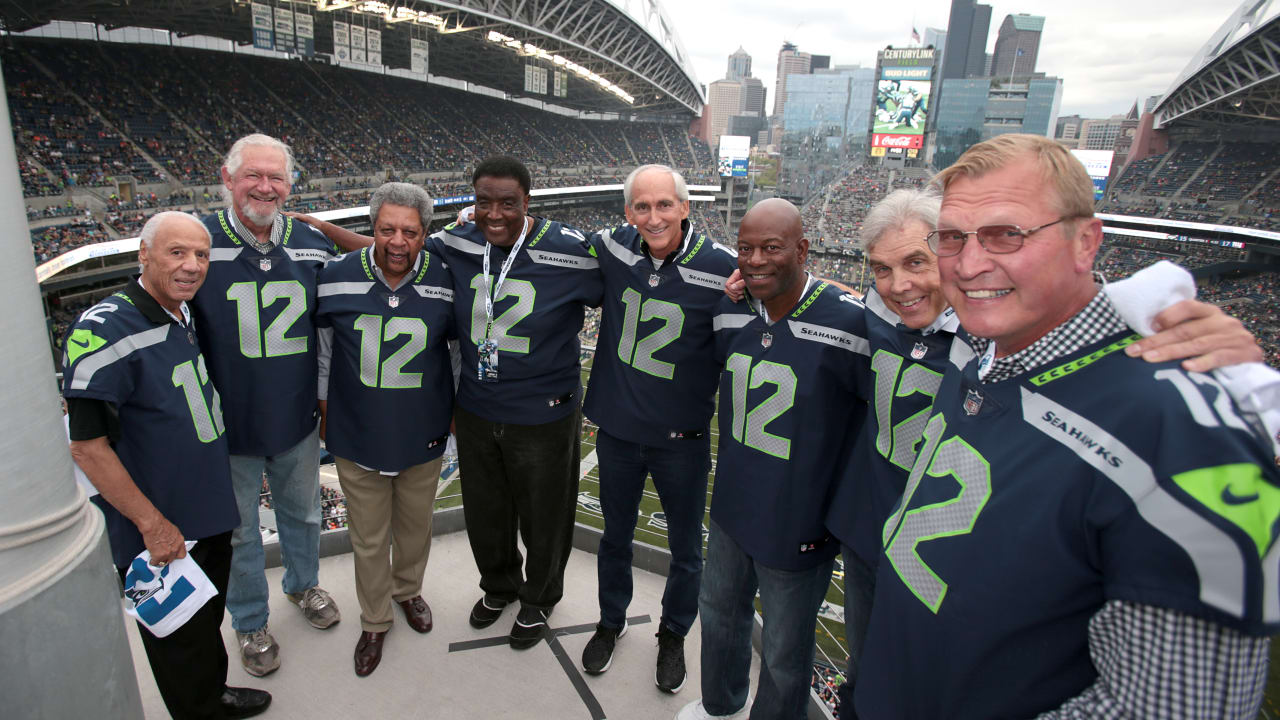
(385, 315)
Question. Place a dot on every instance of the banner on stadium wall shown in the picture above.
(357, 45)
(284, 30)
(562, 84)
(263, 28)
(341, 41)
(1098, 164)
(373, 44)
(418, 56)
(304, 34)
(734, 151)
(535, 79)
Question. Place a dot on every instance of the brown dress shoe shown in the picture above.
(369, 652)
(417, 612)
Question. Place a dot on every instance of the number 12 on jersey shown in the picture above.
(748, 426)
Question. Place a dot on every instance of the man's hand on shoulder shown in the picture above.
(1201, 335)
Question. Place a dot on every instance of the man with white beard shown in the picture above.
(256, 312)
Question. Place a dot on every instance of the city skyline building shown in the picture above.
(791, 61)
(937, 38)
(724, 100)
(1017, 45)
(739, 65)
(975, 109)
(966, 47)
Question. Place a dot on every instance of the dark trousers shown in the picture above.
(520, 478)
(680, 477)
(190, 664)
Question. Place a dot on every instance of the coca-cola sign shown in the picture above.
(897, 141)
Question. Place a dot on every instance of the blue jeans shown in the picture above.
(789, 601)
(294, 479)
(859, 590)
(680, 476)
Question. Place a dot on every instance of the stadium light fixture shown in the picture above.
(331, 5)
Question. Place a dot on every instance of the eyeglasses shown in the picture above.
(999, 239)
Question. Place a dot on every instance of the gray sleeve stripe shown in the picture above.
(721, 322)
(343, 288)
(460, 244)
(830, 336)
(564, 260)
(1215, 555)
(705, 279)
(224, 254)
(616, 249)
(434, 291)
(116, 351)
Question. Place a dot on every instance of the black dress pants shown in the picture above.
(190, 664)
(520, 478)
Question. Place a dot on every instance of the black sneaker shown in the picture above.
(670, 674)
(486, 611)
(598, 654)
(528, 628)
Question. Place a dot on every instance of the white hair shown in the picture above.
(235, 156)
(404, 195)
(682, 190)
(896, 210)
(153, 225)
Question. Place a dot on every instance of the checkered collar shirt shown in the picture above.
(1096, 321)
(277, 232)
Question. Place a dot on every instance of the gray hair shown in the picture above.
(404, 195)
(682, 190)
(897, 209)
(235, 156)
(153, 225)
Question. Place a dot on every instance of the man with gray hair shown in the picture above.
(256, 312)
(651, 392)
(385, 317)
(157, 453)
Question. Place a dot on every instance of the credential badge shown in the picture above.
(654, 279)
(919, 351)
(972, 402)
(766, 339)
(393, 301)
(264, 264)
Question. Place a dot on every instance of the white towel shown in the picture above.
(1254, 386)
(163, 599)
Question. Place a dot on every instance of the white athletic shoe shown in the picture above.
(695, 711)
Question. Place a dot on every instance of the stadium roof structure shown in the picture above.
(620, 56)
(1234, 79)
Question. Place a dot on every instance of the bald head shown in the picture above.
(771, 254)
(778, 213)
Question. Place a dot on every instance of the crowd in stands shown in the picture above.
(90, 112)
(53, 240)
(826, 681)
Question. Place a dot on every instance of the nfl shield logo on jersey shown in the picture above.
(766, 339)
(919, 351)
(393, 301)
(972, 402)
(654, 279)
(264, 264)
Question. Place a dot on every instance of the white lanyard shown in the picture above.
(491, 293)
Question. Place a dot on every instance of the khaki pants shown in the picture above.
(388, 515)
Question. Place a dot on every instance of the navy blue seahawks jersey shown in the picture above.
(906, 370)
(653, 379)
(792, 397)
(256, 315)
(390, 394)
(172, 441)
(536, 319)
(1035, 500)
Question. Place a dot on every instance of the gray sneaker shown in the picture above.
(259, 653)
(317, 607)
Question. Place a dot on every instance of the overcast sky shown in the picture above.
(1108, 52)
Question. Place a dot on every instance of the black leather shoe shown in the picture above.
(369, 652)
(417, 612)
(238, 702)
(530, 627)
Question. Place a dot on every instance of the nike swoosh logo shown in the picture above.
(84, 345)
(1231, 498)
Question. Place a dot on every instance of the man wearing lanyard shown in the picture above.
(517, 418)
